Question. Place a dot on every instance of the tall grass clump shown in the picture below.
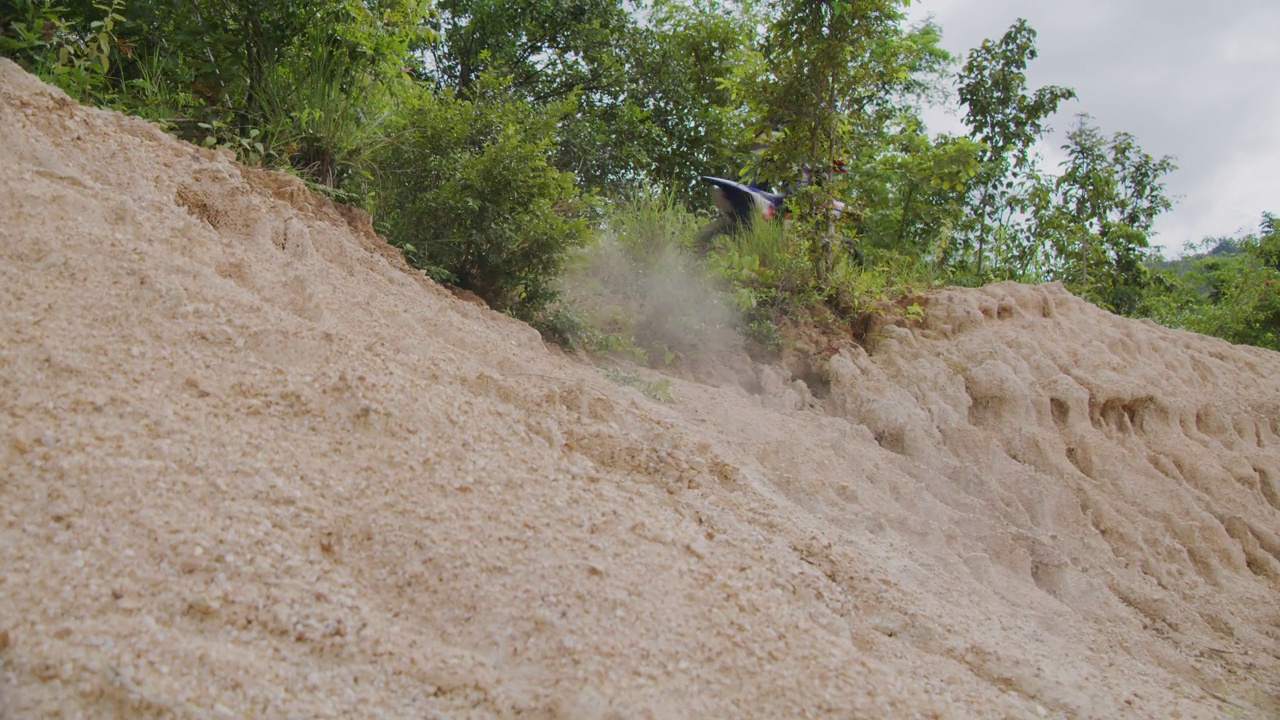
(325, 113)
(768, 267)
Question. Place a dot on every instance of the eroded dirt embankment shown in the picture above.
(250, 466)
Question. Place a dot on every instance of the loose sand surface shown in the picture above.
(251, 466)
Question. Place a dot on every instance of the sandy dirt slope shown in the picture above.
(251, 466)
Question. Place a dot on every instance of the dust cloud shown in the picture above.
(640, 282)
(253, 466)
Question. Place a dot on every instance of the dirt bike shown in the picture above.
(740, 205)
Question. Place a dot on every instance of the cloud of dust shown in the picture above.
(640, 288)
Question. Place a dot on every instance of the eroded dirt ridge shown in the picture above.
(253, 467)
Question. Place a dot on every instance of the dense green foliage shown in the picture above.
(492, 140)
(830, 81)
(303, 84)
(473, 198)
(1100, 216)
(1231, 289)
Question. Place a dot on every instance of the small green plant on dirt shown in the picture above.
(619, 345)
(658, 390)
(766, 259)
(159, 94)
(764, 331)
(568, 326)
(884, 290)
(914, 312)
(248, 147)
(329, 113)
(560, 323)
(79, 60)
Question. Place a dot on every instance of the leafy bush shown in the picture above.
(468, 192)
(303, 85)
(1231, 290)
(767, 265)
(78, 57)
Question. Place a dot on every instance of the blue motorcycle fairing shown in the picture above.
(744, 203)
(773, 199)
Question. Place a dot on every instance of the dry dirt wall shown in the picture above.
(251, 466)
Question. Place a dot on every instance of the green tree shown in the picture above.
(549, 49)
(677, 65)
(1008, 120)
(1106, 201)
(650, 104)
(913, 193)
(829, 77)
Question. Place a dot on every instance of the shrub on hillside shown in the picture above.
(468, 192)
(1230, 290)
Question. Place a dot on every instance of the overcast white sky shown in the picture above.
(1196, 79)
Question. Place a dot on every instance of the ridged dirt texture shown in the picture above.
(252, 466)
